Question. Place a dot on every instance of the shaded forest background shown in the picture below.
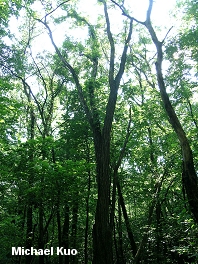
(98, 138)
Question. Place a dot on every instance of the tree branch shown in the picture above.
(125, 13)
(45, 17)
(112, 46)
(74, 75)
(123, 58)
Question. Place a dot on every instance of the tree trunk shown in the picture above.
(127, 222)
(29, 231)
(41, 238)
(102, 233)
(87, 206)
(189, 175)
(29, 235)
(60, 261)
(121, 259)
(73, 243)
(158, 232)
(65, 234)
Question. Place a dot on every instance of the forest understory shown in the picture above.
(98, 132)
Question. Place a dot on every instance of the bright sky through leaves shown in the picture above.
(138, 8)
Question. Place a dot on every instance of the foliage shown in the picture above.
(54, 114)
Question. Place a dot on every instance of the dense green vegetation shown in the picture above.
(98, 137)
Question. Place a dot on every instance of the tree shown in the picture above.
(90, 149)
(102, 231)
(189, 173)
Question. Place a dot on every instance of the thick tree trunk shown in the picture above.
(102, 233)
